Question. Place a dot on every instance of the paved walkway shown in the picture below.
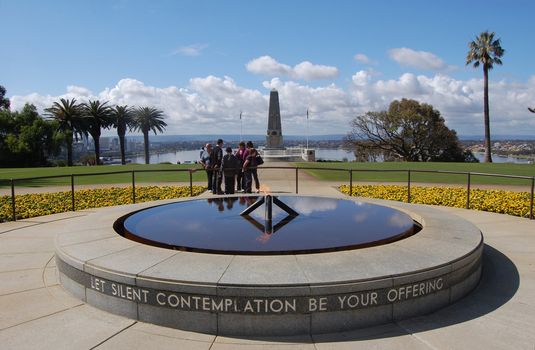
(36, 313)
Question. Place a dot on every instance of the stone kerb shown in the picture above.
(271, 295)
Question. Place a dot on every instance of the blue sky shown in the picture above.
(204, 61)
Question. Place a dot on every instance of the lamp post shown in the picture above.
(307, 131)
(241, 127)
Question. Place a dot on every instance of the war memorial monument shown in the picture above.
(275, 150)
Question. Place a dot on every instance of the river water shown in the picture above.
(192, 156)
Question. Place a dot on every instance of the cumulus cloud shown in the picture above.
(190, 50)
(211, 104)
(418, 59)
(362, 58)
(459, 101)
(267, 65)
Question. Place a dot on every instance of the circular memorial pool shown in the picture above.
(286, 225)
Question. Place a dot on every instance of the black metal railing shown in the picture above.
(350, 172)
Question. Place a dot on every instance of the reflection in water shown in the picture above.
(309, 205)
(397, 220)
(360, 217)
(303, 205)
(215, 225)
(268, 202)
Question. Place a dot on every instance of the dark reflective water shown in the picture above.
(214, 225)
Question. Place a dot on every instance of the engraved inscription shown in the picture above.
(281, 305)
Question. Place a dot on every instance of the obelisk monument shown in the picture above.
(274, 129)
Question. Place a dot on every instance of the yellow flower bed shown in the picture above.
(496, 201)
(30, 205)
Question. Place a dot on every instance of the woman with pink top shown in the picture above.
(241, 154)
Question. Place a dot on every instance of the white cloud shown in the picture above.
(362, 58)
(212, 104)
(308, 71)
(363, 77)
(459, 101)
(190, 50)
(267, 65)
(418, 59)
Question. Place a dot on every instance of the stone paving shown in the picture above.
(36, 313)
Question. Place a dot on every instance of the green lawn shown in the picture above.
(382, 175)
(168, 176)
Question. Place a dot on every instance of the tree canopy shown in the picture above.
(409, 131)
(97, 116)
(68, 115)
(485, 50)
(148, 119)
(122, 119)
(26, 139)
(4, 102)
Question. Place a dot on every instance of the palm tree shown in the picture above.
(68, 115)
(97, 116)
(123, 118)
(147, 119)
(487, 51)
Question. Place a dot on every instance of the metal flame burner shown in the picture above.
(268, 201)
(291, 225)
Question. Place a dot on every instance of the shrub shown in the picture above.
(496, 201)
(37, 204)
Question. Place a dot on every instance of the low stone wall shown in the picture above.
(271, 295)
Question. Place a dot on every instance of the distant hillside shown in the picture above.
(331, 137)
(497, 137)
(233, 137)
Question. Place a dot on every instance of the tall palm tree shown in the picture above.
(97, 116)
(147, 119)
(487, 51)
(68, 115)
(123, 118)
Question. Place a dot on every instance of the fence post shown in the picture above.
(468, 192)
(133, 186)
(13, 200)
(190, 183)
(296, 180)
(531, 202)
(73, 208)
(408, 186)
(350, 182)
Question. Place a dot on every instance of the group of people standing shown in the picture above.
(234, 167)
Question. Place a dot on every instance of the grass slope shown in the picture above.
(382, 172)
(163, 176)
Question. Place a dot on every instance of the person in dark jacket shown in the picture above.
(241, 154)
(250, 163)
(217, 158)
(254, 172)
(230, 166)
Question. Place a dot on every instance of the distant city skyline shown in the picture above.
(205, 62)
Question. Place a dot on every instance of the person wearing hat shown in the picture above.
(217, 159)
(230, 166)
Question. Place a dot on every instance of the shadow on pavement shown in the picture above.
(499, 282)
